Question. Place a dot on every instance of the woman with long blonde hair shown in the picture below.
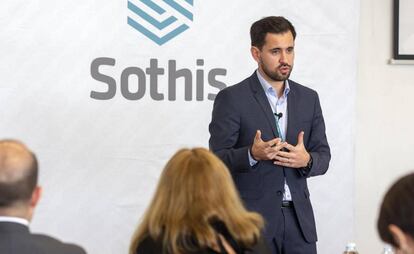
(196, 209)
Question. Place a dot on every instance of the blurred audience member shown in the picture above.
(396, 218)
(196, 209)
(19, 195)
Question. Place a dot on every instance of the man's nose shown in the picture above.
(283, 57)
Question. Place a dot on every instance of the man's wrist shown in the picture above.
(309, 164)
(252, 160)
(251, 153)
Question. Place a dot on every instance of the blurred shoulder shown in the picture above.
(149, 246)
(53, 245)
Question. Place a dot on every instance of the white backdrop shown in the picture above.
(100, 159)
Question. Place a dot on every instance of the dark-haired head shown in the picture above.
(272, 24)
(396, 218)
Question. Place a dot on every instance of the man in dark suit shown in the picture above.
(270, 132)
(19, 195)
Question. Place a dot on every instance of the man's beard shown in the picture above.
(276, 76)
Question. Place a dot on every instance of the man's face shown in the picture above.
(276, 57)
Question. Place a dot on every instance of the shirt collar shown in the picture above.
(268, 88)
(15, 220)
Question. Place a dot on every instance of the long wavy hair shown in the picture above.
(195, 188)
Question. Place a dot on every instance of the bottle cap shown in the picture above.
(351, 246)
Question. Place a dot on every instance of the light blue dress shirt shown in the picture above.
(278, 105)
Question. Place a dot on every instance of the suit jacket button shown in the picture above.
(279, 193)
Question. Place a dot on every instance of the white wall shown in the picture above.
(385, 110)
(100, 160)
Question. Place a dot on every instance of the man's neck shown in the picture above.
(16, 212)
(278, 86)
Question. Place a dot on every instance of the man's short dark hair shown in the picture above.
(397, 208)
(272, 24)
(16, 187)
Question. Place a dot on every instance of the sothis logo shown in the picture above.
(160, 20)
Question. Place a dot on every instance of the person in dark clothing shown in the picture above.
(19, 195)
(196, 209)
(396, 218)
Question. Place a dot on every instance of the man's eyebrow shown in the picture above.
(275, 48)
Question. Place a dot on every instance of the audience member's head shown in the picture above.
(396, 218)
(194, 190)
(19, 192)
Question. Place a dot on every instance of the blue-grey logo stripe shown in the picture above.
(153, 6)
(152, 36)
(148, 29)
(150, 19)
(180, 9)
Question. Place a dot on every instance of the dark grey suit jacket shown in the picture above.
(15, 238)
(242, 109)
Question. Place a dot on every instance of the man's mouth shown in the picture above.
(284, 69)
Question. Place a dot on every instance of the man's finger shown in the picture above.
(274, 142)
(272, 156)
(300, 137)
(277, 148)
(289, 147)
(285, 154)
(285, 159)
(258, 135)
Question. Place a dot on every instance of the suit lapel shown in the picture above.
(261, 98)
(292, 112)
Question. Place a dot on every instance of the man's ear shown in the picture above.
(399, 236)
(255, 53)
(37, 193)
(34, 199)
